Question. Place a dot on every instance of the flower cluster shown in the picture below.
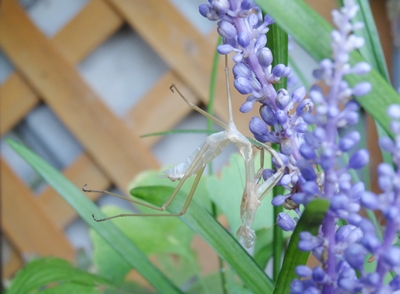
(243, 30)
(318, 162)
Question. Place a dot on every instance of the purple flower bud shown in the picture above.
(299, 198)
(361, 68)
(286, 147)
(355, 255)
(385, 169)
(359, 159)
(317, 96)
(281, 117)
(301, 128)
(349, 141)
(339, 201)
(258, 127)
(303, 271)
(282, 99)
(241, 70)
(246, 107)
(320, 134)
(220, 5)
(307, 152)
(391, 214)
(348, 234)
(357, 190)
(385, 183)
(386, 144)
(224, 49)
(311, 188)
(371, 243)
(265, 57)
(261, 42)
(285, 222)
(298, 94)
(366, 226)
(204, 9)
(351, 117)
(307, 242)
(306, 169)
(280, 70)
(238, 58)
(286, 180)
(226, 30)
(243, 85)
(362, 88)
(267, 173)
(268, 115)
(243, 39)
(304, 106)
(296, 287)
(373, 279)
(395, 283)
(253, 20)
(318, 274)
(392, 256)
(354, 219)
(369, 200)
(393, 111)
(278, 200)
(247, 4)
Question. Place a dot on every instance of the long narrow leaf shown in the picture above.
(312, 32)
(213, 233)
(85, 208)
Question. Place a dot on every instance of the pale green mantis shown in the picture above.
(197, 161)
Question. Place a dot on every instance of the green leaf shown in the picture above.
(53, 275)
(153, 236)
(226, 246)
(312, 32)
(85, 208)
(310, 221)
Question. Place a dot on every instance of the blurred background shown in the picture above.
(82, 80)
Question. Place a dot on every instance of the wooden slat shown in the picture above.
(13, 264)
(17, 99)
(87, 30)
(90, 27)
(24, 220)
(56, 80)
(183, 48)
(167, 108)
(80, 171)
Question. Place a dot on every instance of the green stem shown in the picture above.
(278, 44)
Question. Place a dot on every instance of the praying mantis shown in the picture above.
(197, 161)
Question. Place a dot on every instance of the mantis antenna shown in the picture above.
(196, 162)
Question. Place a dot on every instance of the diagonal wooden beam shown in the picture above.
(57, 81)
(32, 231)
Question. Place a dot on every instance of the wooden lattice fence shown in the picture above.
(113, 151)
